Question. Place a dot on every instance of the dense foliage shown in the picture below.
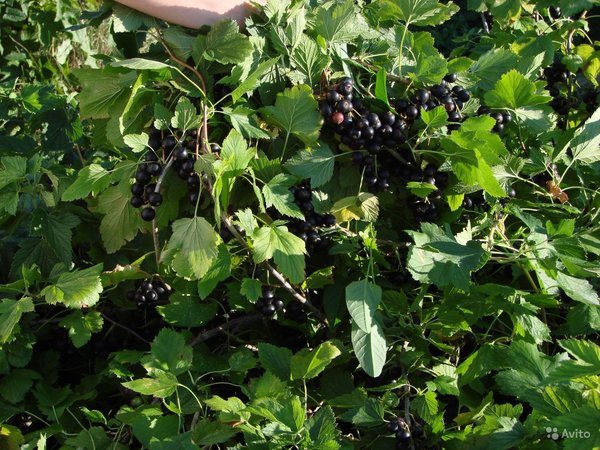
(368, 225)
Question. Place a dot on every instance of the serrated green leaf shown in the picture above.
(307, 364)
(212, 432)
(192, 247)
(309, 60)
(286, 249)
(225, 44)
(275, 359)
(91, 179)
(137, 142)
(186, 311)
(316, 164)
(161, 386)
(10, 314)
(121, 221)
(185, 117)
(585, 145)
(415, 12)
(364, 206)
(296, 112)
(169, 353)
(243, 120)
(104, 93)
(219, 270)
(439, 258)
(81, 327)
(277, 194)
(77, 289)
(14, 169)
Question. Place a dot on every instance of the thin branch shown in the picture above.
(208, 334)
(129, 330)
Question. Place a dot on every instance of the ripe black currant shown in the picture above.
(155, 198)
(137, 189)
(403, 435)
(148, 214)
(451, 77)
(136, 201)
(555, 12)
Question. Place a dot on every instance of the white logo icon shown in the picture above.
(552, 433)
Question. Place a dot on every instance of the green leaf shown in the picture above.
(369, 414)
(316, 164)
(192, 247)
(104, 93)
(419, 58)
(56, 229)
(235, 155)
(275, 359)
(491, 65)
(515, 91)
(321, 427)
(244, 121)
(277, 193)
(414, 12)
(14, 169)
(309, 61)
(286, 249)
(296, 112)
(212, 432)
(307, 364)
(370, 348)
(91, 179)
(586, 363)
(82, 326)
(225, 44)
(251, 289)
(438, 257)
(161, 386)
(435, 118)
(337, 22)
(121, 221)
(219, 270)
(15, 386)
(10, 314)
(169, 353)
(77, 289)
(185, 117)
(141, 64)
(576, 422)
(578, 289)
(186, 311)
(251, 81)
(362, 299)
(585, 145)
(421, 189)
(364, 206)
(381, 86)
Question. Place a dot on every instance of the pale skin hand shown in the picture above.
(193, 13)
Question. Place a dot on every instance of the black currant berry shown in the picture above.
(137, 189)
(180, 154)
(333, 96)
(154, 169)
(136, 201)
(141, 176)
(169, 142)
(151, 296)
(403, 436)
(412, 112)
(451, 77)
(268, 310)
(278, 303)
(148, 214)
(155, 199)
(146, 285)
(392, 427)
(555, 12)
(215, 148)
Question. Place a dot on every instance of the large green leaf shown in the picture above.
(77, 289)
(10, 314)
(192, 247)
(81, 327)
(169, 353)
(370, 348)
(277, 193)
(162, 385)
(225, 44)
(585, 145)
(316, 164)
(275, 359)
(121, 221)
(91, 179)
(308, 364)
(296, 112)
(414, 12)
(286, 249)
(362, 299)
(186, 311)
(437, 257)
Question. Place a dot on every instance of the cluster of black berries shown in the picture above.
(425, 209)
(556, 75)
(448, 94)
(149, 292)
(309, 228)
(144, 189)
(182, 151)
(269, 303)
(502, 118)
(475, 202)
(403, 433)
